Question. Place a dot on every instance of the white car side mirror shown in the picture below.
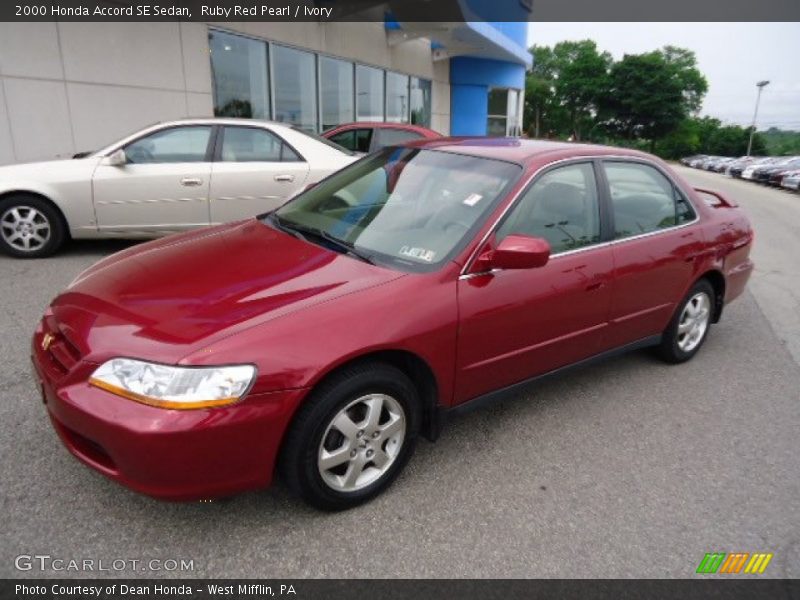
(115, 159)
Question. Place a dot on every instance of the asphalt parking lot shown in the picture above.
(629, 468)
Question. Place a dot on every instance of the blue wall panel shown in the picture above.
(470, 80)
(469, 106)
(484, 71)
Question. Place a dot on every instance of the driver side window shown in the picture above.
(561, 207)
(175, 145)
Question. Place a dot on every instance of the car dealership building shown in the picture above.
(69, 87)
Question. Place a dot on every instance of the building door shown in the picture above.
(504, 113)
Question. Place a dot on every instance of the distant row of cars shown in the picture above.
(777, 171)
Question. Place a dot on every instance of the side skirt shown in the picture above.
(484, 400)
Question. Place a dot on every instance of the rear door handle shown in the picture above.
(284, 177)
(191, 181)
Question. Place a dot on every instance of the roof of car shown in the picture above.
(383, 125)
(223, 121)
(521, 151)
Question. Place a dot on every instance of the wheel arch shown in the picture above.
(717, 281)
(415, 368)
(5, 194)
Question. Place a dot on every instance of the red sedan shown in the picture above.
(322, 339)
(372, 136)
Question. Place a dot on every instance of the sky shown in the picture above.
(732, 56)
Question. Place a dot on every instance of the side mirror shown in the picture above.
(115, 159)
(515, 252)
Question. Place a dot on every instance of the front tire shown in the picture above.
(352, 437)
(688, 329)
(30, 227)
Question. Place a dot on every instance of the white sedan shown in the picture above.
(167, 178)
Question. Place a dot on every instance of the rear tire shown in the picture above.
(688, 329)
(30, 227)
(352, 437)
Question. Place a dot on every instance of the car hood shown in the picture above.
(166, 299)
(47, 170)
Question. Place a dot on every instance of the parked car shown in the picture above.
(367, 137)
(791, 180)
(416, 283)
(760, 163)
(721, 164)
(697, 161)
(735, 168)
(774, 174)
(687, 160)
(163, 179)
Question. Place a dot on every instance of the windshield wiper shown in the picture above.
(282, 225)
(304, 231)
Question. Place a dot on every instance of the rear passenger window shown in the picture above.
(391, 137)
(355, 140)
(561, 207)
(249, 144)
(644, 200)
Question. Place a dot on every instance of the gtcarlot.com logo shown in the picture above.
(734, 563)
(45, 562)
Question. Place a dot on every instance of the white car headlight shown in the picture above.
(174, 387)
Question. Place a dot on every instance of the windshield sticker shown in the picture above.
(418, 253)
(472, 199)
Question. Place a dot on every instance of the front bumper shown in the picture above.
(168, 454)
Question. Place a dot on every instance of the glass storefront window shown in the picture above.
(295, 87)
(240, 76)
(420, 102)
(369, 93)
(261, 80)
(397, 105)
(504, 114)
(336, 91)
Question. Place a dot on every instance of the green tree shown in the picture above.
(651, 94)
(707, 135)
(582, 82)
(565, 87)
(732, 140)
(781, 142)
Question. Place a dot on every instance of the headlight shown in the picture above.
(173, 387)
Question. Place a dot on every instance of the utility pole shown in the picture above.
(760, 86)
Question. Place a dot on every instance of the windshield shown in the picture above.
(405, 206)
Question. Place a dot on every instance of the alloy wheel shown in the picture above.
(361, 442)
(694, 321)
(25, 228)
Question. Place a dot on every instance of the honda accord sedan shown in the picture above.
(164, 179)
(320, 340)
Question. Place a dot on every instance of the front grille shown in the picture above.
(62, 353)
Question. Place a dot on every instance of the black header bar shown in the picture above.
(734, 588)
(403, 10)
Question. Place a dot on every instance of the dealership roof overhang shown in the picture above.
(472, 36)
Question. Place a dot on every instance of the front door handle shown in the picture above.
(191, 181)
(284, 177)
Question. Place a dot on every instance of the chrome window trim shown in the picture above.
(578, 159)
